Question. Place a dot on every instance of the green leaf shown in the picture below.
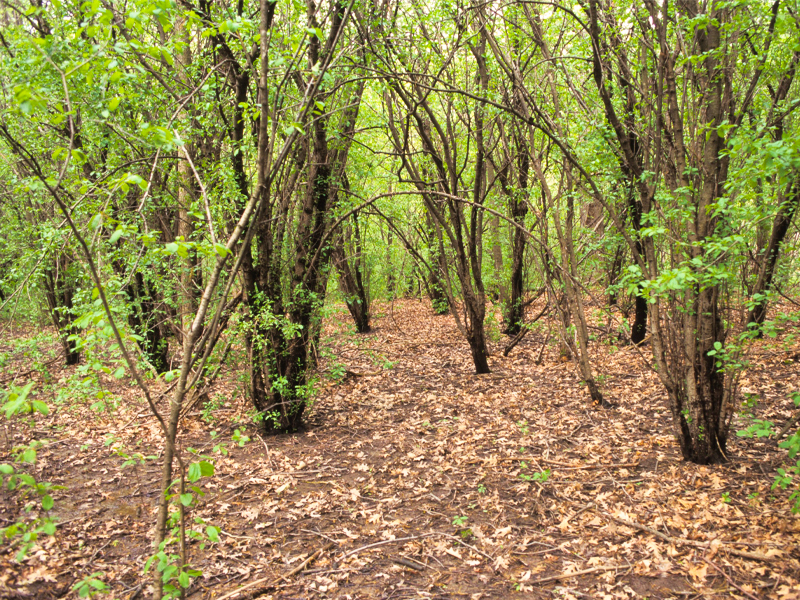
(184, 580)
(40, 407)
(6, 469)
(194, 472)
(96, 221)
(206, 469)
(47, 502)
(112, 106)
(186, 499)
(212, 533)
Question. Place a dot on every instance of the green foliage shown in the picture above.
(91, 585)
(176, 576)
(239, 437)
(24, 533)
(541, 476)
(789, 476)
(17, 402)
(215, 403)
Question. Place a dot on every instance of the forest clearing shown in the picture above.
(399, 299)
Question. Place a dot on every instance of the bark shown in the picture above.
(437, 275)
(144, 319)
(350, 280)
(501, 292)
(59, 291)
(284, 325)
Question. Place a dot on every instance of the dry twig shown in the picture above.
(684, 541)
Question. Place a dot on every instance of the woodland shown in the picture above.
(399, 299)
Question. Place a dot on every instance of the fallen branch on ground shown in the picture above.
(728, 579)
(576, 574)
(266, 588)
(684, 541)
(565, 466)
(416, 537)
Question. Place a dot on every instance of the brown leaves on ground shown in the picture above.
(431, 481)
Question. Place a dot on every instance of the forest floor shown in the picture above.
(417, 478)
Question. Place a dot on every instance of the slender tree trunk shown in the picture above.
(575, 300)
(58, 292)
(437, 275)
(614, 271)
(351, 283)
(187, 187)
(516, 308)
(390, 279)
(501, 292)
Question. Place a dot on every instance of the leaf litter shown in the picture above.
(417, 478)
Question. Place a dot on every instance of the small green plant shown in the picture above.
(749, 405)
(459, 521)
(90, 586)
(523, 427)
(215, 403)
(18, 403)
(25, 533)
(481, 489)
(726, 497)
(789, 476)
(726, 357)
(168, 560)
(493, 328)
(541, 476)
(221, 447)
(240, 438)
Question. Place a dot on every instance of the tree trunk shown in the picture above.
(390, 282)
(516, 308)
(282, 330)
(639, 327)
(437, 275)
(575, 300)
(143, 318)
(350, 281)
(500, 290)
(58, 292)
